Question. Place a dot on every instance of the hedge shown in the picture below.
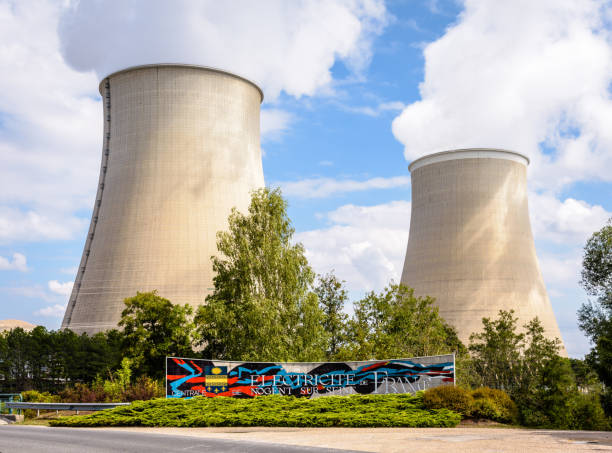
(349, 411)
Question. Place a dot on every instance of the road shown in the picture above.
(34, 439)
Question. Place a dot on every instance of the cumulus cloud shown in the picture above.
(365, 245)
(561, 271)
(327, 187)
(288, 46)
(274, 123)
(49, 128)
(63, 289)
(52, 311)
(50, 111)
(32, 292)
(18, 263)
(38, 224)
(568, 222)
(529, 76)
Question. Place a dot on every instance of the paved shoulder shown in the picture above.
(33, 439)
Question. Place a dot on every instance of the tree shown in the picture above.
(332, 298)
(595, 317)
(263, 307)
(505, 359)
(396, 324)
(153, 328)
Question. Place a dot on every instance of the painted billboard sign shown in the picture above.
(186, 378)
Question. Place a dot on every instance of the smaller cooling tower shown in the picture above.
(470, 243)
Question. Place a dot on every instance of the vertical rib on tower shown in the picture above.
(470, 244)
(180, 149)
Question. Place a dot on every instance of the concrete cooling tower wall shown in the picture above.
(181, 148)
(470, 244)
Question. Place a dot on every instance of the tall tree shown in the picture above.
(395, 323)
(332, 299)
(595, 317)
(509, 360)
(263, 307)
(153, 328)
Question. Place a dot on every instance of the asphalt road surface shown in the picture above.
(26, 439)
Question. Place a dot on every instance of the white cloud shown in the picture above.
(52, 311)
(568, 222)
(50, 113)
(289, 46)
(274, 123)
(365, 245)
(382, 107)
(18, 263)
(32, 292)
(63, 289)
(49, 128)
(38, 225)
(560, 271)
(326, 187)
(529, 76)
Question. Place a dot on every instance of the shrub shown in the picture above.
(589, 415)
(494, 404)
(275, 410)
(33, 396)
(144, 388)
(449, 397)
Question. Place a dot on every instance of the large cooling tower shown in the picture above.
(181, 148)
(470, 244)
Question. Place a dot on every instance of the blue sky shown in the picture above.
(355, 90)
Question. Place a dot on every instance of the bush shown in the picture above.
(33, 396)
(494, 404)
(449, 397)
(113, 391)
(354, 411)
(589, 415)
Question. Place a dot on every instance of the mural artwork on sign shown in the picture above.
(186, 378)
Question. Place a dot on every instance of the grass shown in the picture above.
(348, 411)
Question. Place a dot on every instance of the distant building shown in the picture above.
(470, 244)
(8, 324)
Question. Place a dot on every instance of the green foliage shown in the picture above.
(450, 397)
(557, 403)
(507, 360)
(487, 403)
(111, 391)
(353, 411)
(494, 404)
(153, 328)
(395, 323)
(332, 298)
(595, 317)
(48, 360)
(33, 396)
(263, 307)
(597, 265)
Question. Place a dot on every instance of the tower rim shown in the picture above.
(181, 65)
(468, 153)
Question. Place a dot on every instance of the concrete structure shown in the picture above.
(181, 148)
(470, 244)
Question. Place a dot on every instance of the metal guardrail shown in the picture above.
(63, 406)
